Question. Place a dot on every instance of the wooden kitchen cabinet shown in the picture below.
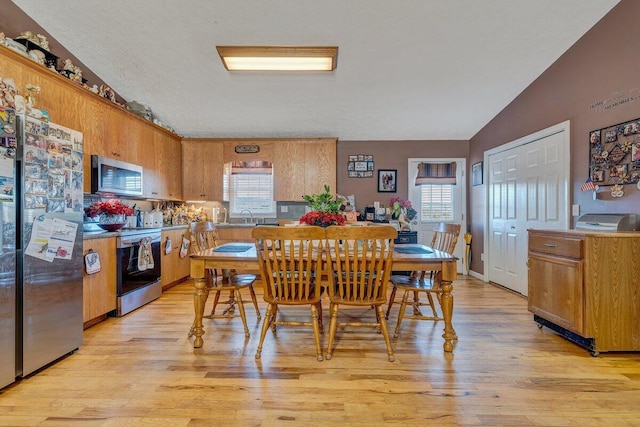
(99, 289)
(202, 170)
(300, 165)
(174, 268)
(586, 286)
(163, 177)
(310, 165)
(231, 233)
(108, 129)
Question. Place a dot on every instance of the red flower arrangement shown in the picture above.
(109, 207)
(322, 219)
(326, 209)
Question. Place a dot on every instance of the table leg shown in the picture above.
(199, 298)
(447, 312)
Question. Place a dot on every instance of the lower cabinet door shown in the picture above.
(556, 291)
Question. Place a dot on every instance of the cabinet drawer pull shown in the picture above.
(551, 245)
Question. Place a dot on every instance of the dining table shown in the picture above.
(242, 256)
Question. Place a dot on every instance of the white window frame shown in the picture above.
(259, 208)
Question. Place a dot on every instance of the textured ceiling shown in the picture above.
(407, 70)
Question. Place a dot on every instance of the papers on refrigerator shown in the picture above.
(52, 238)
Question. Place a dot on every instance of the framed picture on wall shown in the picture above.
(387, 180)
(476, 174)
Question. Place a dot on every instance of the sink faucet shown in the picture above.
(250, 219)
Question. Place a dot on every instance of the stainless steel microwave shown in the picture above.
(115, 177)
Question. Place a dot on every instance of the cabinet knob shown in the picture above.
(550, 245)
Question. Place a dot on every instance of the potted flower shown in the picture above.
(326, 209)
(111, 214)
(402, 211)
(399, 206)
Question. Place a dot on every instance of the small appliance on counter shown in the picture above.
(609, 222)
(219, 216)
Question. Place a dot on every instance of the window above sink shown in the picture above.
(248, 187)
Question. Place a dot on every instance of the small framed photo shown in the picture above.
(387, 180)
(361, 166)
(476, 174)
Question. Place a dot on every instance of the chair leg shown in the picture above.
(216, 298)
(316, 331)
(320, 324)
(391, 299)
(242, 313)
(268, 318)
(416, 304)
(333, 326)
(433, 306)
(274, 320)
(403, 307)
(255, 301)
(385, 332)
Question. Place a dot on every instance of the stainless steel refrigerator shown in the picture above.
(8, 145)
(45, 199)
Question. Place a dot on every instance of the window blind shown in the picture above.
(251, 191)
(436, 203)
(436, 174)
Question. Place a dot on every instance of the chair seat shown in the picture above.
(414, 283)
(238, 280)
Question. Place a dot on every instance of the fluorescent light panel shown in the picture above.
(278, 58)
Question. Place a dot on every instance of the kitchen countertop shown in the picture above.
(238, 225)
(88, 235)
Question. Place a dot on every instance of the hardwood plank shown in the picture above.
(142, 369)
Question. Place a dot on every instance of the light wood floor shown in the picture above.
(141, 370)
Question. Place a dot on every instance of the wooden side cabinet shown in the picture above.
(586, 286)
(99, 289)
(174, 268)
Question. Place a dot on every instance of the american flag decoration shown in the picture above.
(588, 185)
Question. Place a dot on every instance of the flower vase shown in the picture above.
(112, 222)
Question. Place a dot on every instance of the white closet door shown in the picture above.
(527, 188)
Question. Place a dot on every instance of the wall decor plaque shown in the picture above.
(614, 154)
(241, 149)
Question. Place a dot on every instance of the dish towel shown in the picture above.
(145, 257)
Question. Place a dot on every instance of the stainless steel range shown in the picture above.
(138, 279)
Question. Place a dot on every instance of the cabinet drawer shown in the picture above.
(556, 245)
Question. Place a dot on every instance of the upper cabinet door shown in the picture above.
(320, 170)
(202, 170)
(304, 167)
(163, 177)
(288, 171)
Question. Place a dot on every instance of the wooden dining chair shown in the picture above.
(445, 237)
(290, 260)
(204, 236)
(360, 261)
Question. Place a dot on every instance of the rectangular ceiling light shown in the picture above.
(278, 58)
